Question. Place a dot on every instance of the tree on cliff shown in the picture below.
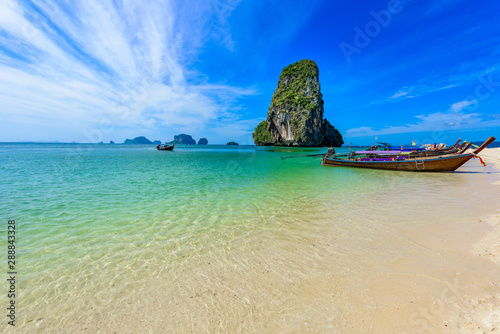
(260, 136)
(295, 116)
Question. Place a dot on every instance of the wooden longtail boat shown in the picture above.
(449, 150)
(409, 153)
(412, 154)
(165, 147)
(438, 163)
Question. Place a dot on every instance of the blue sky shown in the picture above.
(97, 70)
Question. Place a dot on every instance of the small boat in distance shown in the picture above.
(437, 163)
(165, 147)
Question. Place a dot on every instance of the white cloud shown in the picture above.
(408, 92)
(398, 94)
(459, 106)
(84, 63)
(438, 121)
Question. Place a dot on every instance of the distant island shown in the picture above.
(138, 141)
(178, 139)
(295, 117)
(232, 143)
(183, 139)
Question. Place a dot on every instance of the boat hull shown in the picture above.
(442, 163)
(164, 148)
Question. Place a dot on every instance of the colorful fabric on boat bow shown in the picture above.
(480, 159)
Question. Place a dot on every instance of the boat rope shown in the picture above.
(302, 156)
(480, 159)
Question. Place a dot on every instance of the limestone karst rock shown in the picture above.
(295, 117)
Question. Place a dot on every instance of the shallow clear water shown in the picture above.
(100, 226)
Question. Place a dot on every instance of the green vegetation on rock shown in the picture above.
(291, 92)
(295, 116)
(261, 136)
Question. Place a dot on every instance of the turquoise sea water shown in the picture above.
(101, 225)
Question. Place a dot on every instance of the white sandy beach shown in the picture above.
(464, 299)
(486, 311)
(492, 155)
(489, 246)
